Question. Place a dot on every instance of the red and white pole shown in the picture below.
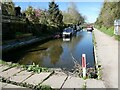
(84, 64)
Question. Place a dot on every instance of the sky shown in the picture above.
(90, 10)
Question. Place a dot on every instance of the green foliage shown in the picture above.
(93, 39)
(72, 16)
(84, 86)
(2, 62)
(109, 31)
(43, 19)
(35, 21)
(19, 33)
(117, 37)
(30, 14)
(35, 68)
(55, 15)
(109, 12)
(30, 68)
(45, 87)
(105, 22)
(8, 8)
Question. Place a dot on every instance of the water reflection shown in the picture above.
(57, 53)
(38, 54)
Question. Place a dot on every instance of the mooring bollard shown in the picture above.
(84, 65)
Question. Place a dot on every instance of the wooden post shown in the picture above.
(84, 65)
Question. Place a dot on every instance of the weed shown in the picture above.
(45, 87)
(84, 86)
(35, 68)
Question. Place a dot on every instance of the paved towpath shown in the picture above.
(107, 53)
(18, 76)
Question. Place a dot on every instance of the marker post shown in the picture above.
(84, 65)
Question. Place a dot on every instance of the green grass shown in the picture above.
(31, 68)
(45, 87)
(109, 31)
(117, 37)
(84, 86)
(93, 39)
(36, 68)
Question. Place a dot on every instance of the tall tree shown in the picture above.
(109, 12)
(30, 13)
(55, 15)
(72, 15)
(8, 8)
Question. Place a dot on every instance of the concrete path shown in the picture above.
(54, 80)
(107, 53)
(5, 86)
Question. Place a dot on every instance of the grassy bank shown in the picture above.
(109, 31)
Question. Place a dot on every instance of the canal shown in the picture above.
(56, 53)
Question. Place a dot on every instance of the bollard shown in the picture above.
(84, 65)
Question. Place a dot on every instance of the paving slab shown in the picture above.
(12, 86)
(55, 81)
(1, 65)
(37, 78)
(5, 86)
(20, 77)
(3, 68)
(2, 85)
(93, 83)
(10, 72)
(73, 82)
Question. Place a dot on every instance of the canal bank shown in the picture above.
(107, 56)
(17, 44)
(97, 63)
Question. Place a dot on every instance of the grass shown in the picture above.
(84, 86)
(109, 31)
(35, 68)
(31, 68)
(99, 73)
(93, 39)
(45, 87)
(117, 37)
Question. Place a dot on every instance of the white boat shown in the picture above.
(67, 33)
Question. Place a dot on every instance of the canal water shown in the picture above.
(57, 53)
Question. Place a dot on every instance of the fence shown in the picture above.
(13, 19)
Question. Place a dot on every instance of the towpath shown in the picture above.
(107, 55)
